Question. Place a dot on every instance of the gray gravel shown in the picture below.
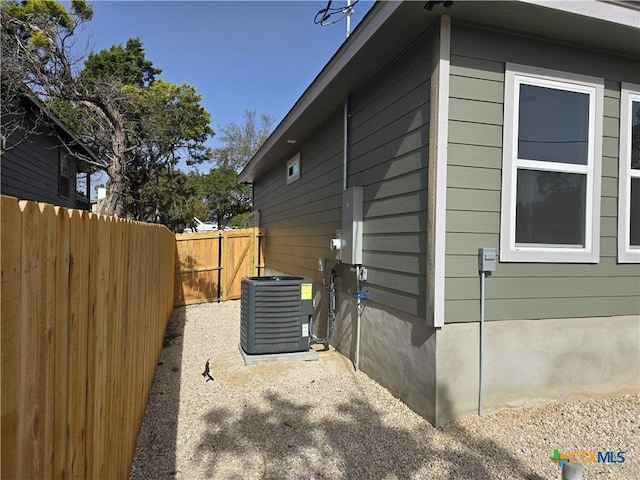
(322, 420)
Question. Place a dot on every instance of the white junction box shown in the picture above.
(352, 199)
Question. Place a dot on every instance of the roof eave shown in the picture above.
(378, 14)
(60, 125)
(618, 14)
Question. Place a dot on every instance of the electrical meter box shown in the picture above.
(352, 200)
(487, 258)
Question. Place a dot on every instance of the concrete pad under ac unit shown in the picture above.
(309, 355)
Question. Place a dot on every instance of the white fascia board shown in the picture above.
(442, 137)
(362, 34)
(620, 14)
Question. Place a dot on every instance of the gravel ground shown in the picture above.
(322, 420)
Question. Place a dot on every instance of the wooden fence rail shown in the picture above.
(85, 302)
(210, 265)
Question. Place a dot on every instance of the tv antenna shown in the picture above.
(330, 15)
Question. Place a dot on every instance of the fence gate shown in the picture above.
(210, 265)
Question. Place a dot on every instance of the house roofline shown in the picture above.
(612, 11)
(618, 14)
(59, 124)
(375, 17)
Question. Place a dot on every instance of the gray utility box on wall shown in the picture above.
(275, 314)
(352, 200)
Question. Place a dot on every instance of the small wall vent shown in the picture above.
(275, 314)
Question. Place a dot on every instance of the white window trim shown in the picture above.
(509, 251)
(626, 253)
(291, 163)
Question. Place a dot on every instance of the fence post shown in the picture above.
(222, 278)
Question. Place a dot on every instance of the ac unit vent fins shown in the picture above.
(275, 314)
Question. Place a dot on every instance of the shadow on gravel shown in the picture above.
(155, 455)
(360, 444)
(481, 454)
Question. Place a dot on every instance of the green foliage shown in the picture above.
(40, 20)
(224, 200)
(126, 65)
(82, 9)
(163, 195)
(223, 197)
(47, 14)
(170, 120)
(140, 126)
(164, 122)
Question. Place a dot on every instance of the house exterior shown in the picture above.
(39, 168)
(503, 125)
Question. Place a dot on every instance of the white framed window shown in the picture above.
(629, 175)
(293, 169)
(552, 155)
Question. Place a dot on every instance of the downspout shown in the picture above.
(481, 347)
(345, 142)
(358, 319)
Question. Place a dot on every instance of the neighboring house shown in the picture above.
(486, 124)
(39, 168)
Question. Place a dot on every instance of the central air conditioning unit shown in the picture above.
(275, 314)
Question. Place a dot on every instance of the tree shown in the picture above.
(223, 196)
(109, 102)
(128, 64)
(165, 123)
(38, 36)
(241, 142)
(19, 117)
(170, 125)
(227, 201)
(170, 198)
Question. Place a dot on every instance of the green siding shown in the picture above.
(302, 216)
(523, 290)
(388, 151)
(388, 155)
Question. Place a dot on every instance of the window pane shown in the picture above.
(635, 135)
(634, 213)
(553, 125)
(550, 208)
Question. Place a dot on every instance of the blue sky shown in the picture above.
(258, 55)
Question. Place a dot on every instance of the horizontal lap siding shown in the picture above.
(521, 290)
(301, 218)
(388, 155)
(30, 171)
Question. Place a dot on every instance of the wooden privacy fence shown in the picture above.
(210, 265)
(85, 302)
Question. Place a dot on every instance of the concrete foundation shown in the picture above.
(535, 361)
(435, 371)
(397, 350)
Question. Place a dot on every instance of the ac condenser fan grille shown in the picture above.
(275, 314)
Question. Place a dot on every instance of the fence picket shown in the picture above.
(61, 343)
(78, 313)
(85, 302)
(10, 335)
(198, 264)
